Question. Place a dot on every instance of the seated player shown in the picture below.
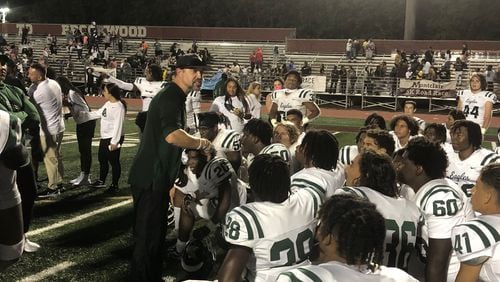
(453, 115)
(436, 132)
(443, 204)
(403, 128)
(217, 191)
(274, 232)
(470, 157)
(372, 176)
(477, 242)
(375, 121)
(318, 154)
(351, 236)
(348, 152)
(410, 107)
(286, 133)
(378, 139)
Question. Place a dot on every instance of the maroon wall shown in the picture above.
(167, 32)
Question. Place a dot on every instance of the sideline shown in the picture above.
(48, 272)
(78, 218)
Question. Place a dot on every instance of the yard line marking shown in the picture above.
(493, 146)
(336, 132)
(48, 272)
(78, 218)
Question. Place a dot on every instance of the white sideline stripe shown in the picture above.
(78, 218)
(493, 146)
(48, 272)
(336, 132)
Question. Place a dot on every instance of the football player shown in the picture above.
(477, 103)
(293, 97)
(372, 176)
(351, 236)
(318, 154)
(410, 107)
(349, 152)
(148, 86)
(444, 205)
(217, 190)
(378, 139)
(274, 232)
(477, 242)
(403, 128)
(466, 163)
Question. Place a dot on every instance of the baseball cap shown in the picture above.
(191, 61)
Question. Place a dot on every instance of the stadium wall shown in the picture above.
(163, 32)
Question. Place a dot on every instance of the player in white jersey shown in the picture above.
(468, 159)
(403, 128)
(226, 141)
(348, 152)
(443, 204)
(372, 176)
(318, 154)
(217, 191)
(293, 97)
(453, 115)
(351, 245)
(148, 86)
(193, 106)
(477, 242)
(410, 107)
(274, 232)
(476, 103)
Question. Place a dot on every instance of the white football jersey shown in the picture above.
(347, 155)
(326, 181)
(465, 173)
(333, 271)
(444, 206)
(193, 105)
(473, 105)
(236, 123)
(480, 238)
(402, 221)
(277, 149)
(280, 234)
(227, 140)
(420, 123)
(287, 99)
(148, 90)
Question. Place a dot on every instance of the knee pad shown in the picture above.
(11, 252)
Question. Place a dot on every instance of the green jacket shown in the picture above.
(13, 100)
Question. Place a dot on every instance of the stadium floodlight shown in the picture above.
(4, 12)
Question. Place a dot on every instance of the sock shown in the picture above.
(177, 217)
(180, 246)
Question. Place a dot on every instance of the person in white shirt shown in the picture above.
(148, 86)
(403, 128)
(410, 108)
(85, 128)
(477, 242)
(48, 96)
(234, 105)
(350, 235)
(254, 94)
(477, 103)
(193, 107)
(112, 115)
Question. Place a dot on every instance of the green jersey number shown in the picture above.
(402, 243)
(293, 251)
(458, 243)
(442, 208)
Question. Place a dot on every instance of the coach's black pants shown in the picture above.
(106, 158)
(84, 135)
(150, 228)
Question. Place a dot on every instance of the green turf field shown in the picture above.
(96, 247)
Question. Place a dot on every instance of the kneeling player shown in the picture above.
(218, 191)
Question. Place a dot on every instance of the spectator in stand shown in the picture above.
(356, 46)
(158, 50)
(343, 79)
(447, 56)
(351, 75)
(322, 69)
(465, 52)
(85, 128)
(259, 59)
(489, 74)
(305, 70)
(348, 49)
(370, 49)
(334, 79)
(234, 105)
(477, 103)
(426, 68)
(48, 96)
(194, 46)
(254, 96)
(24, 34)
(107, 40)
(429, 55)
(252, 60)
(235, 70)
(120, 44)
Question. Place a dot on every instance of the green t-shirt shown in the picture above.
(157, 162)
(13, 100)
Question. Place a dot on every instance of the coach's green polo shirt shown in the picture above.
(157, 162)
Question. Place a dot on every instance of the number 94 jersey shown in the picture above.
(280, 234)
(473, 104)
(478, 241)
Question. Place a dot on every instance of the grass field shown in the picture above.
(85, 233)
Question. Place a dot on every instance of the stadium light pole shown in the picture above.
(4, 12)
(410, 19)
